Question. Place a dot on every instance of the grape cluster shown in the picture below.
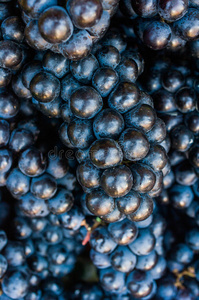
(45, 236)
(129, 257)
(116, 132)
(105, 112)
(181, 250)
(99, 149)
(174, 92)
(163, 24)
(71, 28)
(41, 252)
(40, 183)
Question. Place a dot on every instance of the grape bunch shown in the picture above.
(129, 257)
(71, 28)
(161, 24)
(40, 182)
(174, 92)
(104, 111)
(99, 149)
(118, 137)
(40, 252)
(181, 251)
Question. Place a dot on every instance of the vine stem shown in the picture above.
(189, 272)
(96, 224)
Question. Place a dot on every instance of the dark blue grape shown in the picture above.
(134, 144)
(31, 206)
(20, 140)
(105, 153)
(32, 163)
(5, 77)
(185, 173)
(124, 97)
(5, 160)
(87, 175)
(117, 182)
(144, 210)
(182, 254)
(114, 216)
(157, 35)
(61, 202)
(145, 8)
(15, 284)
(14, 254)
(123, 232)
(52, 235)
(185, 100)
(164, 101)
(99, 203)
(101, 241)
(123, 260)
(129, 203)
(188, 26)
(172, 10)
(139, 284)
(13, 29)
(80, 133)
(55, 63)
(11, 55)
(108, 123)
(181, 196)
(57, 166)
(167, 289)
(147, 262)
(55, 25)
(33, 9)
(84, 14)
(104, 80)
(108, 56)
(142, 117)
(143, 178)
(9, 105)
(144, 243)
(84, 69)
(45, 87)
(72, 219)
(43, 187)
(21, 228)
(159, 269)
(78, 46)
(90, 104)
(111, 280)
(100, 260)
(192, 239)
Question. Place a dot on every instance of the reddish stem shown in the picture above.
(87, 238)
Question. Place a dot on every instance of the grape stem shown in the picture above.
(189, 272)
(89, 229)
